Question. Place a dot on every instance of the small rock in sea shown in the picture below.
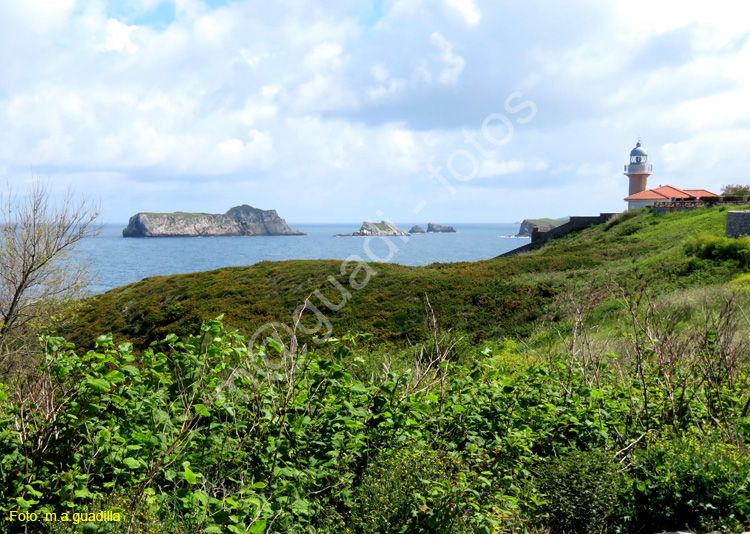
(432, 227)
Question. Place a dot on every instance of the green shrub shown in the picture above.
(741, 283)
(620, 217)
(146, 516)
(691, 482)
(581, 491)
(711, 247)
(398, 494)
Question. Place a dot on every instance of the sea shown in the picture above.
(114, 261)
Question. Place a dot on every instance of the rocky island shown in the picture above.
(239, 221)
(432, 227)
(372, 229)
(386, 228)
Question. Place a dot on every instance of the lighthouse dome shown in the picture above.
(638, 156)
(638, 150)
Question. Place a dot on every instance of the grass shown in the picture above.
(180, 213)
(383, 227)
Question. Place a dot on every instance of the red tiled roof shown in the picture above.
(667, 192)
(698, 193)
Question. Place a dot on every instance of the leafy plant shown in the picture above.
(720, 248)
(581, 491)
(401, 491)
(696, 482)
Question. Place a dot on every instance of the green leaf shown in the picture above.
(259, 527)
(99, 385)
(83, 493)
(131, 463)
(114, 376)
(202, 496)
(190, 476)
(131, 370)
(221, 517)
(258, 485)
(104, 341)
(23, 504)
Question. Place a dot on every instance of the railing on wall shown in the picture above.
(678, 204)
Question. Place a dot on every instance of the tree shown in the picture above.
(38, 276)
(735, 190)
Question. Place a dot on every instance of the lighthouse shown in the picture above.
(639, 169)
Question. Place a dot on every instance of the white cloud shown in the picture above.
(325, 55)
(490, 168)
(454, 64)
(118, 37)
(468, 10)
(380, 73)
(214, 29)
(387, 87)
(720, 21)
(304, 96)
(39, 16)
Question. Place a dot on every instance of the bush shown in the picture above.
(400, 492)
(741, 283)
(620, 217)
(691, 482)
(711, 247)
(582, 492)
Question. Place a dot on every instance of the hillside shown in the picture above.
(601, 387)
(494, 299)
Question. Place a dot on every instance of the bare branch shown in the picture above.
(38, 276)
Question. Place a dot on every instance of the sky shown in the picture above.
(341, 111)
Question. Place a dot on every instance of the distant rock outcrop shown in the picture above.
(544, 225)
(432, 227)
(383, 228)
(239, 221)
(416, 229)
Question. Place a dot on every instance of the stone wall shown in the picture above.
(576, 223)
(738, 223)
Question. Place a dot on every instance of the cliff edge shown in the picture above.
(544, 225)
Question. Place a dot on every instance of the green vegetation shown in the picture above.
(206, 436)
(735, 190)
(545, 223)
(180, 213)
(597, 385)
(713, 247)
(381, 226)
(484, 301)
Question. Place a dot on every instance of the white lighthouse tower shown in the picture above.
(639, 169)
